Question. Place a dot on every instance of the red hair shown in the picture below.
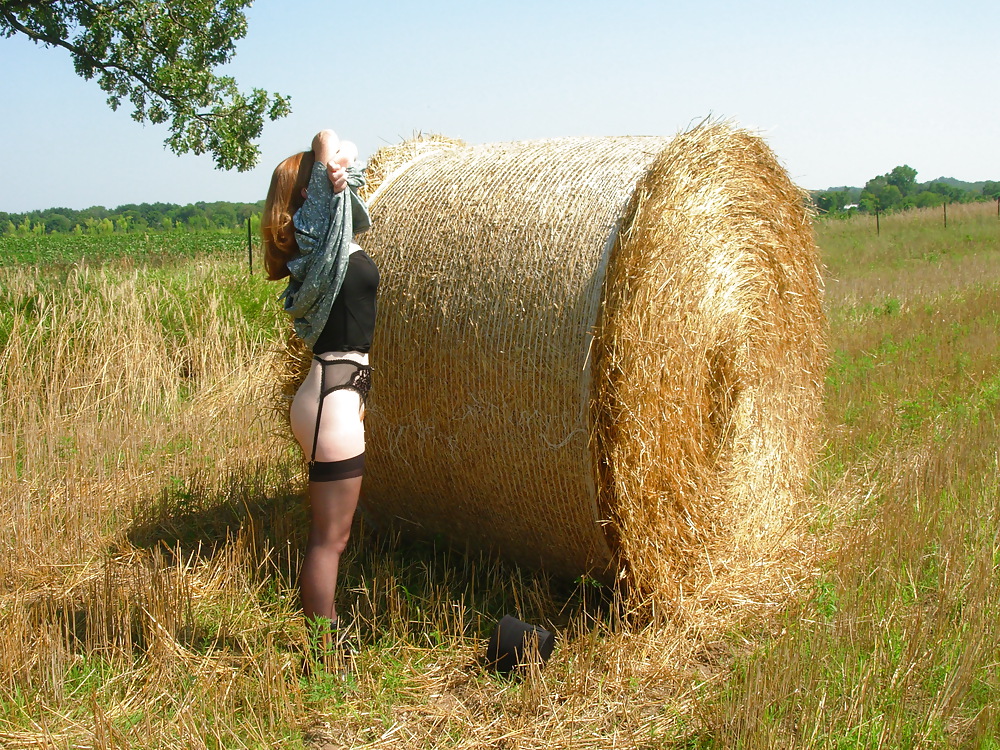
(284, 198)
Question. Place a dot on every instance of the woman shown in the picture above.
(310, 217)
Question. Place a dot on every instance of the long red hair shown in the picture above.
(284, 198)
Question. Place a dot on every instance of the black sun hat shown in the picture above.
(515, 644)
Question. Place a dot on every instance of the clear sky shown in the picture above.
(841, 91)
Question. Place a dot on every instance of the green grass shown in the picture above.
(852, 250)
(899, 644)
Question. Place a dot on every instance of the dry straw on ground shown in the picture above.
(599, 355)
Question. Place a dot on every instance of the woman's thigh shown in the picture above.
(341, 433)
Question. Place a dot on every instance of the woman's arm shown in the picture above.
(332, 157)
(337, 155)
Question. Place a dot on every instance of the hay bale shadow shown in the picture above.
(396, 586)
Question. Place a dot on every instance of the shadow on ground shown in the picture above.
(394, 585)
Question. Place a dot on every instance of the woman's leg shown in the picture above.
(332, 506)
(332, 503)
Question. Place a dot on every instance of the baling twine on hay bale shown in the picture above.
(597, 355)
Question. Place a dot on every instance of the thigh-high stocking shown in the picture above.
(332, 506)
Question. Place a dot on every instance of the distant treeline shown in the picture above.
(899, 190)
(895, 190)
(144, 217)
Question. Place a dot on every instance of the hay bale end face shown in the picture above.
(593, 354)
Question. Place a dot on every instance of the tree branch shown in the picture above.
(161, 57)
(103, 65)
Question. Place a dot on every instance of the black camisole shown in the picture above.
(351, 324)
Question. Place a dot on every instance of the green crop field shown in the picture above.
(154, 247)
(152, 524)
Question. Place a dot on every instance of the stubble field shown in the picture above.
(152, 527)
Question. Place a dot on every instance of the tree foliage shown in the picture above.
(903, 178)
(160, 57)
(899, 190)
(143, 217)
(835, 201)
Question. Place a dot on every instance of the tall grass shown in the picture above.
(898, 644)
(152, 529)
(131, 405)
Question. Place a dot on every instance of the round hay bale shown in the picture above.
(597, 355)
(711, 358)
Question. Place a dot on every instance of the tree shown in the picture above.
(160, 56)
(991, 189)
(949, 193)
(928, 199)
(880, 194)
(904, 178)
(56, 222)
(832, 201)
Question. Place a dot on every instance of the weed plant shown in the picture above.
(153, 525)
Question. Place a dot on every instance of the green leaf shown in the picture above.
(161, 57)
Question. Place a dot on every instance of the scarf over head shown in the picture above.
(324, 227)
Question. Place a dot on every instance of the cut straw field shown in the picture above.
(152, 528)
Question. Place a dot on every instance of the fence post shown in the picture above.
(249, 247)
(945, 204)
(878, 230)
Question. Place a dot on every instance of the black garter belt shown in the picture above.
(347, 375)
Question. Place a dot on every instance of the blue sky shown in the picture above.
(841, 91)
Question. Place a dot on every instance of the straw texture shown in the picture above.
(710, 361)
(593, 354)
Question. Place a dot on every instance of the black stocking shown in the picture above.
(332, 506)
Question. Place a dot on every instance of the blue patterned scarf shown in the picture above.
(324, 227)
